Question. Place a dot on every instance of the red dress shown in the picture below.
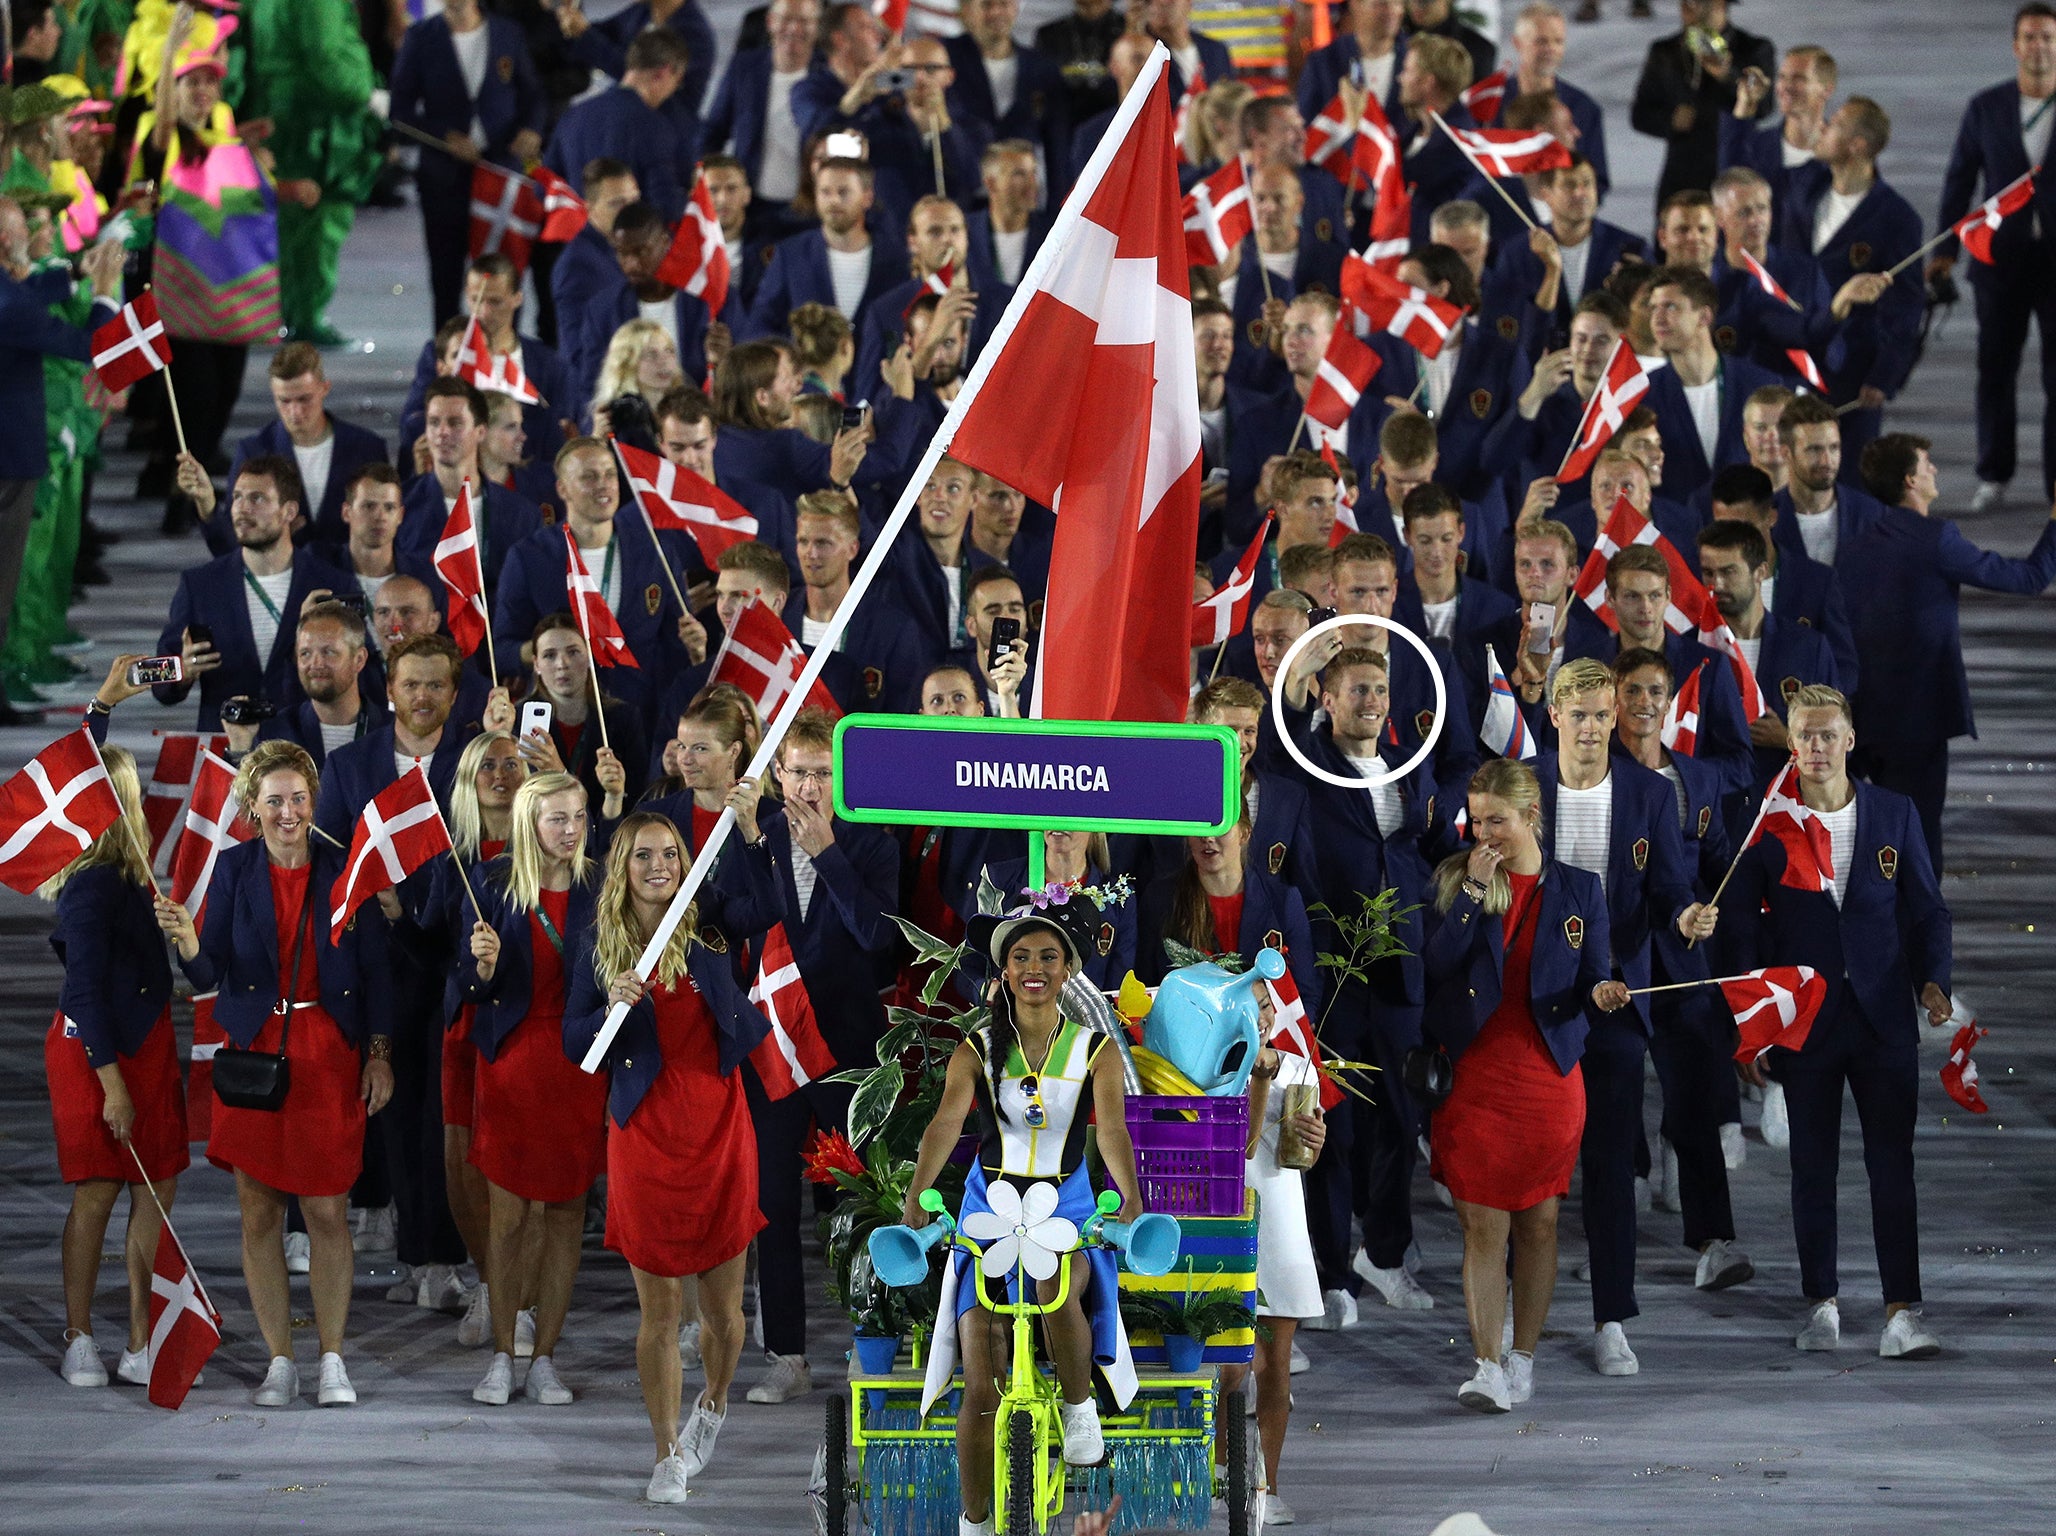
(314, 1144)
(541, 1131)
(682, 1174)
(1507, 1137)
(460, 1057)
(1227, 912)
(86, 1149)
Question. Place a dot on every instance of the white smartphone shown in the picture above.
(1541, 626)
(536, 715)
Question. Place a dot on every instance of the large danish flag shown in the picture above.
(564, 211)
(53, 809)
(604, 641)
(1091, 406)
(131, 346)
(793, 1054)
(760, 656)
(676, 498)
(1381, 302)
(506, 214)
(1217, 215)
(1784, 815)
(456, 561)
(212, 827)
(1623, 384)
(1799, 357)
(1346, 371)
(401, 830)
(1215, 618)
(1509, 151)
(479, 364)
(184, 1327)
(1774, 1006)
(698, 258)
(1977, 228)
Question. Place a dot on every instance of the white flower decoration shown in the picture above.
(1020, 1229)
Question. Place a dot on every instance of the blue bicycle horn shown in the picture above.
(900, 1254)
(1149, 1243)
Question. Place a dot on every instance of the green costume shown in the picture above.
(310, 73)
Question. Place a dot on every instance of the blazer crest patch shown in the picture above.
(1275, 940)
(1640, 853)
(1481, 403)
(1276, 858)
(1574, 931)
(1888, 862)
(653, 598)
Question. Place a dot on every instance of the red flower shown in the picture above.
(828, 1154)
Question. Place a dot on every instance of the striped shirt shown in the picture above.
(1584, 827)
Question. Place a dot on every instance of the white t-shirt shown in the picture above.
(1841, 827)
(778, 172)
(1004, 76)
(606, 572)
(1377, 74)
(1677, 784)
(663, 314)
(264, 622)
(812, 631)
(850, 274)
(1280, 263)
(1228, 285)
(953, 584)
(405, 763)
(334, 736)
(1010, 255)
(1819, 535)
(1213, 432)
(2037, 117)
(1833, 212)
(1751, 650)
(369, 586)
(1187, 60)
(1441, 372)
(1767, 592)
(1384, 797)
(472, 48)
(315, 464)
(1577, 260)
(1791, 155)
(1584, 827)
(1704, 402)
(1441, 618)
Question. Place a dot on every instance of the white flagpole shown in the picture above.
(1053, 245)
(165, 1216)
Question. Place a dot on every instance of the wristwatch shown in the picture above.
(381, 1048)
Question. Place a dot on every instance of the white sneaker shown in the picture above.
(299, 1253)
(82, 1366)
(1734, 1151)
(689, 1347)
(1486, 1391)
(134, 1367)
(1506, 1335)
(477, 1326)
(1611, 1354)
(1907, 1337)
(668, 1482)
(336, 1391)
(1823, 1328)
(1722, 1264)
(1520, 1376)
(281, 1384)
(1776, 1124)
(1300, 1364)
(1665, 1196)
(1584, 1271)
(1399, 1288)
(374, 1230)
(1277, 1512)
(407, 1290)
(441, 1290)
(1083, 1444)
(966, 1526)
(524, 1333)
(789, 1377)
(1989, 494)
(697, 1444)
(1338, 1312)
(544, 1385)
(498, 1383)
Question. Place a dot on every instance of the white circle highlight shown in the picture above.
(1357, 781)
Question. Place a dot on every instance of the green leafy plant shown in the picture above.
(896, 1098)
(1182, 955)
(1368, 936)
(872, 1192)
(1194, 1313)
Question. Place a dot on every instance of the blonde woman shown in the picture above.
(642, 360)
(681, 1153)
(1213, 134)
(287, 988)
(112, 1062)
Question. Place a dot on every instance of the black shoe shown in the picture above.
(91, 573)
(9, 715)
(180, 518)
(100, 538)
(155, 481)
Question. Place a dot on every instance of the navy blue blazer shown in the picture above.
(1758, 146)
(604, 46)
(1879, 341)
(355, 774)
(1041, 112)
(1648, 882)
(585, 273)
(1516, 273)
(903, 164)
(1704, 834)
(117, 976)
(28, 334)
(616, 124)
(1273, 915)
(300, 724)
(355, 447)
(1890, 937)
(1792, 656)
(1723, 729)
(1808, 593)
(1482, 611)
(503, 1002)
(214, 594)
(980, 248)
(844, 944)
(1215, 62)
(741, 106)
(506, 519)
(1317, 262)
(879, 336)
(1751, 324)
(798, 274)
(429, 96)
(1261, 423)
(239, 955)
(1436, 171)
(1326, 69)
(1491, 372)
(1989, 149)
(881, 658)
(727, 917)
(1685, 465)
(1464, 960)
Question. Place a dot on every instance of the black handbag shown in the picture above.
(1429, 1070)
(262, 1079)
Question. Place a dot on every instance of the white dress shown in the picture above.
(1287, 1283)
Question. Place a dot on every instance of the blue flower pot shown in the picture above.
(876, 1353)
(1185, 1353)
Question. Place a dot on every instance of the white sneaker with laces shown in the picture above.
(697, 1444)
(789, 1377)
(1338, 1311)
(1277, 1512)
(524, 1333)
(1907, 1337)
(1300, 1364)
(966, 1526)
(544, 1385)
(134, 1367)
(1989, 494)
(1823, 1328)
(1665, 1196)
(1520, 1376)
(82, 1366)
(1399, 1288)
(441, 1290)
(336, 1391)
(281, 1384)
(407, 1290)
(1776, 1124)
(1734, 1151)
(689, 1347)
(1485, 1391)
(497, 1385)
(1722, 1264)
(1084, 1446)
(1611, 1354)
(477, 1327)
(668, 1482)
(299, 1253)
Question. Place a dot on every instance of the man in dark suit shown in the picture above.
(2006, 129)
(880, 640)
(627, 124)
(1752, 322)
(1438, 18)
(1539, 38)
(640, 238)
(1367, 51)
(1438, 599)
(853, 54)
(1573, 257)
(918, 143)
(586, 270)
(1015, 92)
(1688, 81)
(1734, 562)
(1432, 79)
(1806, 79)
(1192, 53)
(1698, 399)
(609, 46)
(455, 425)
(244, 603)
(839, 264)
(330, 650)
(1003, 236)
(752, 116)
(1798, 588)
(373, 508)
(328, 450)
(493, 297)
(1881, 938)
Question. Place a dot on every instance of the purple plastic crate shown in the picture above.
(1189, 1166)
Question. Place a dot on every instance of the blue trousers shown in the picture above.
(1613, 1125)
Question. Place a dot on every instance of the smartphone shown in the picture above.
(1004, 633)
(1541, 627)
(157, 669)
(1318, 615)
(853, 415)
(536, 716)
(850, 146)
(891, 80)
(201, 635)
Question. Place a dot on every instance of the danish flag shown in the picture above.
(1483, 99)
(171, 781)
(1217, 215)
(1194, 89)
(1293, 1033)
(1224, 614)
(1346, 370)
(793, 1054)
(506, 214)
(1977, 228)
(603, 638)
(1715, 635)
(1774, 1006)
(892, 13)
(212, 827)
(760, 656)
(1331, 139)
(698, 258)
(936, 282)
(53, 809)
(1620, 387)
(1509, 151)
(1809, 855)
(1959, 1072)
(1382, 302)
(1625, 525)
(564, 211)
(184, 1327)
(1680, 730)
(675, 498)
(456, 561)
(1800, 358)
(131, 346)
(479, 364)
(1506, 728)
(1345, 498)
(401, 830)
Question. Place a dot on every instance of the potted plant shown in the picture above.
(1186, 1320)
(872, 1190)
